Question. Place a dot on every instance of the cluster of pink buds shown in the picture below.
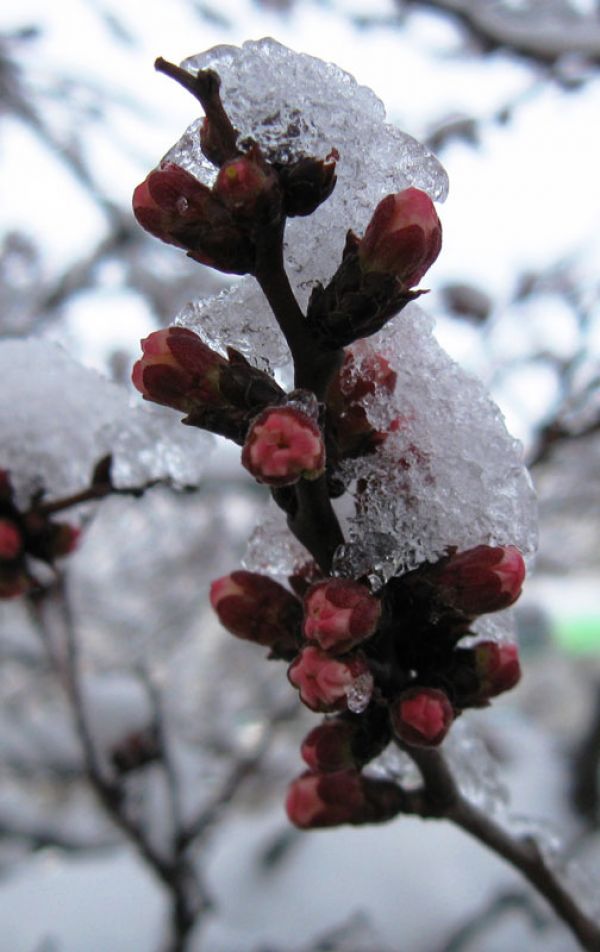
(384, 667)
(26, 537)
(397, 653)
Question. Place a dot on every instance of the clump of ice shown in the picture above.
(293, 105)
(272, 549)
(58, 419)
(449, 474)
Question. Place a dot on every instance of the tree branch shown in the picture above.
(442, 799)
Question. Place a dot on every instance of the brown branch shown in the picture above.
(442, 799)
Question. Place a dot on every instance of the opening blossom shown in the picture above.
(421, 717)
(283, 445)
(323, 681)
(339, 614)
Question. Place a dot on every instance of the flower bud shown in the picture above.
(403, 238)
(178, 370)
(174, 206)
(11, 540)
(497, 666)
(283, 445)
(421, 717)
(241, 182)
(306, 184)
(324, 682)
(340, 613)
(481, 580)
(346, 741)
(255, 608)
(65, 539)
(323, 800)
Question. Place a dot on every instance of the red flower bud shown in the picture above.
(320, 800)
(65, 539)
(170, 201)
(375, 375)
(481, 580)
(283, 445)
(136, 750)
(175, 207)
(11, 540)
(325, 682)
(328, 747)
(178, 370)
(241, 182)
(403, 238)
(255, 608)
(421, 717)
(497, 666)
(340, 613)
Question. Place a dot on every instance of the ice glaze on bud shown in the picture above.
(255, 608)
(421, 717)
(353, 432)
(325, 682)
(340, 613)
(481, 580)
(178, 370)
(317, 800)
(11, 540)
(497, 666)
(403, 238)
(283, 445)
(241, 182)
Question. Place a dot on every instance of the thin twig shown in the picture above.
(442, 799)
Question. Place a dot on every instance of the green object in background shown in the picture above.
(578, 633)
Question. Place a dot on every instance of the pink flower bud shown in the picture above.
(481, 580)
(255, 608)
(169, 202)
(323, 800)
(497, 666)
(340, 613)
(241, 182)
(325, 682)
(11, 540)
(421, 717)
(403, 238)
(178, 370)
(175, 207)
(283, 445)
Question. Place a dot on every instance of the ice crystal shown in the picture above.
(272, 549)
(62, 418)
(448, 474)
(293, 105)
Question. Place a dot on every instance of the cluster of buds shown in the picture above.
(26, 537)
(224, 226)
(381, 667)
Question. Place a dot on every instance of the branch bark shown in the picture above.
(442, 799)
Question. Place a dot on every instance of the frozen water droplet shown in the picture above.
(182, 204)
(358, 694)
